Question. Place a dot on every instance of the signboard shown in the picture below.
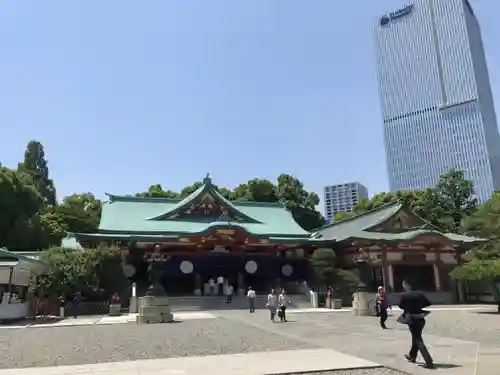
(386, 18)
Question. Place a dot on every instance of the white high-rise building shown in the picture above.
(435, 96)
(342, 198)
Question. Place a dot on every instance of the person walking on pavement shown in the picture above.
(77, 302)
(283, 302)
(412, 303)
(251, 299)
(220, 284)
(211, 284)
(229, 293)
(329, 298)
(382, 304)
(272, 304)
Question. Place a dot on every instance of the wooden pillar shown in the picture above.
(241, 284)
(437, 269)
(390, 276)
(385, 272)
(197, 284)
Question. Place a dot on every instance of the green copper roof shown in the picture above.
(361, 227)
(162, 216)
(410, 235)
(350, 227)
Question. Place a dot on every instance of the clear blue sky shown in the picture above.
(124, 94)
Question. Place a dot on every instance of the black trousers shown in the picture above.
(251, 302)
(416, 326)
(220, 289)
(383, 317)
(283, 313)
(229, 298)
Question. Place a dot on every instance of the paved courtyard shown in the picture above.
(456, 338)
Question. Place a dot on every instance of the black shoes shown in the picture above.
(410, 358)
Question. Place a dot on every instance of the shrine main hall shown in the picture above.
(259, 244)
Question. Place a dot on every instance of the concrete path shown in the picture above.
(362, 337)
(261, 363)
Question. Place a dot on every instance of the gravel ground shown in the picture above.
(30, 347)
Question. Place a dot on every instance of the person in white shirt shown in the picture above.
(229, 293)
(251, 299)
(283, 302)
(272, 303)
(211, 284)
(220, 283)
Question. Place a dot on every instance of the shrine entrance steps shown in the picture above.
(194, 303)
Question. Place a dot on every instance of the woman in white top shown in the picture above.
(283, 302)
(272, 303)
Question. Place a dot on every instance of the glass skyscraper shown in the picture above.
(436, 101)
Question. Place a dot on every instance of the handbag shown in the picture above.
(403, 319)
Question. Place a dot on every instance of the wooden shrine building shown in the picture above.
(249, 243)
(200, 237)
(397, 244)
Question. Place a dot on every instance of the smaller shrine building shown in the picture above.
(392, 243)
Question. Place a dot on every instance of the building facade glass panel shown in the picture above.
(435, 96)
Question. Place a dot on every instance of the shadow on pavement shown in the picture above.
(438, 366)
(488, 313)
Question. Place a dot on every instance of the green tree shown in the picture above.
(339, 216)
(257, 190)
(36, 167)
(417, 200)
(19, 205)
(80, 213)
(327, 273)
(289, 191)
(95, 273)
(156, 190)
(188, 190)
(482, 263)
(301, 203)
(454, 196)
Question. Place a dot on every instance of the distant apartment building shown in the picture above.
(342, 198)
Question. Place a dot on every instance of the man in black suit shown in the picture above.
(412, 303)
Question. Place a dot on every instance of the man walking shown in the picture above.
(412, 303)
(251, 299)
(382, 305)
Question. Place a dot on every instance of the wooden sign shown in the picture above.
(415, 258)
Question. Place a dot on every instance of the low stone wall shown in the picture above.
(436, 298)
(84, 308)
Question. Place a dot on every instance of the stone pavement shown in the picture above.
(462, 342)
(101, 320)
(262, 363)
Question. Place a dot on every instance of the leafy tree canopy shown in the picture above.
(324, 266)
(446, 205)
(483, 262)
(96, 274)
